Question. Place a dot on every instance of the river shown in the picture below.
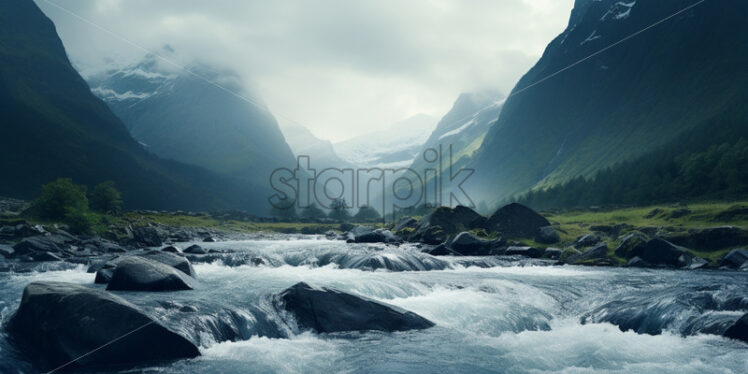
(495, 315)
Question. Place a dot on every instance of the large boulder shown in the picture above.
(62, 323)
(435, 227)
(467, 244)
(739, 329)
(43, 243)
(326, 310)
(631, 245)
(171, 259)
(150, 236)
(141, 274)
(6, 251)
(516, 221)
(547, 235)
(711, 239)
(735, 258)
(660, 252)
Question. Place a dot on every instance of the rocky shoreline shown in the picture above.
(85, 318)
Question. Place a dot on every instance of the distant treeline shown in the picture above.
(710, 162)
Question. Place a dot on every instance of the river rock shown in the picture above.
(149, 235)
(547, 235)
(468, 244)
(6, 251)
(739, 330)
(405, 223)
(598, 252)
(45, 256)
(516, 220)
(141, 274)
(631, 245)
(327, 310)
(172, 249)
(435, 227)
(195, 250)
(587, 240)
(176, 261)
(735, 258)
(376, 236)
(57, 323)
(531, 252)
(661, 252)
(441, 250)
(552, 253)
(43, 243)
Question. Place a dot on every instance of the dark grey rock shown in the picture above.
(711, 239)
(735, 258)
(57, 323)
(172, 249)
(42, 243)
(6, 251)
(587, 240)
(468, 244)
(195, 250)
(631, 245)
(441, 250)
(45, 256)
(516, 221)
(552, 253)
(176, 261)
(547, 235)
(140, 274)
(209, 239)
(638, 262)
(531, 252)
(149, 235)
(435, 227)
(600, 251)
(739, 329)
(326, 310)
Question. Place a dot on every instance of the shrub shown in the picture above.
(59, 197)
(106, 199)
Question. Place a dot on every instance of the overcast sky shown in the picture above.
(340, 68)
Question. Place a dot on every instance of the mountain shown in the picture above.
(583, 108)
(321, 152)
(202, 117)
(392, 147)
(463, 128)
(53, 126)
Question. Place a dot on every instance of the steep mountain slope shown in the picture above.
(321, 152)
(53, 126)
(463, 128)
(621, 103)
(183, 117)
(392, 147)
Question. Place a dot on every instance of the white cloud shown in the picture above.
(339, 67)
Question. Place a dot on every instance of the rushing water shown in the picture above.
(492, 315)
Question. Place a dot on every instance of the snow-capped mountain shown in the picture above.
(392, 147)
(201, 116)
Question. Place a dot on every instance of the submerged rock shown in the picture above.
(141, 274)
(531, 252)
(172, 249)
(57, 323)
(739, 330)
(326, 310)
(516, 220)
(195, 250)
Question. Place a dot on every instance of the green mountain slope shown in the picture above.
(621, 104)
